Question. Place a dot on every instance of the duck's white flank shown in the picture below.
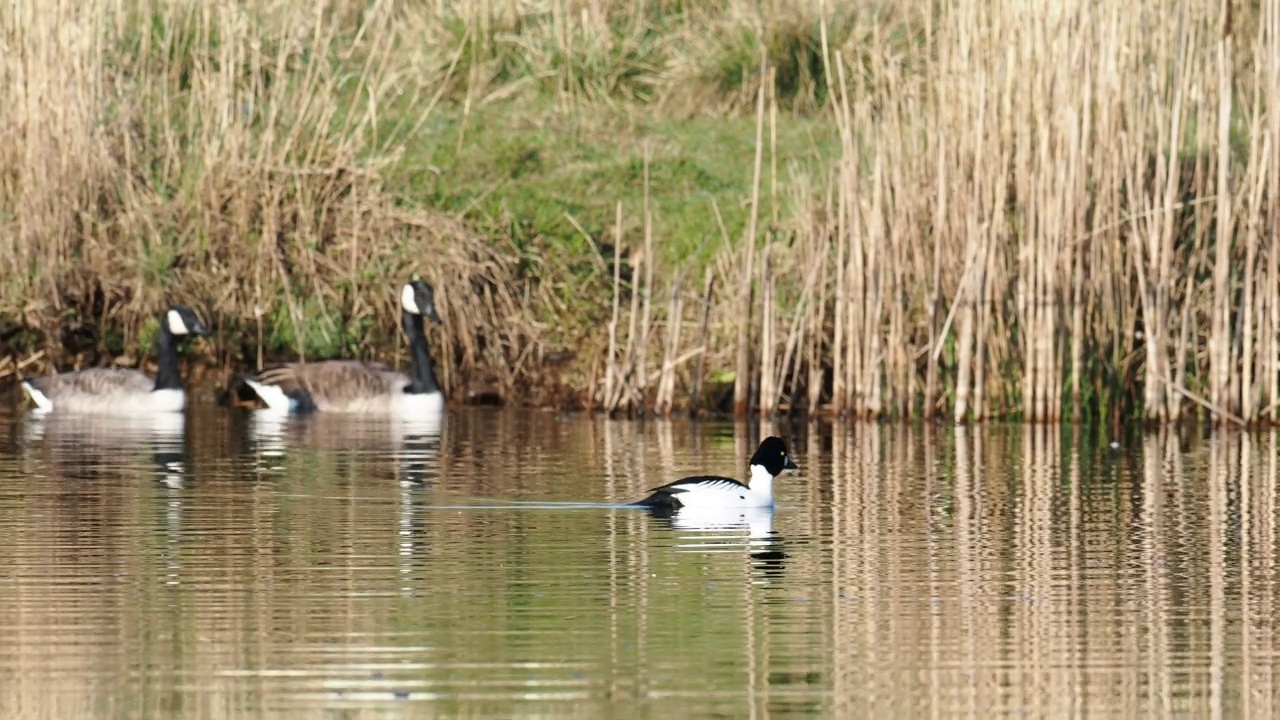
(725, 493)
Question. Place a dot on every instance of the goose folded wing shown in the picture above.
(95, 381)
(336, 384)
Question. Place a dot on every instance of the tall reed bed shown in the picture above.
(1052, 212)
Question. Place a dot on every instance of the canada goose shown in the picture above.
(122, 391)
(355, 386)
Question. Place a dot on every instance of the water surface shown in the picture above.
(235, 566)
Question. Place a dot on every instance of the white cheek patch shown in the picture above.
(407, 302)
(176, 325)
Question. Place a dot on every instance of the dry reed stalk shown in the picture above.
(1269, 47)
(854, 274)
(839, 208)
(667, 381)
(773, 147)
(708, 285)
(935, 290)
(612, 372)
(839, 355)
(742, 371)
(870, 387)
(966, 301)
(1076, 261)
(1156, 224)
(629, 383)
(768, 399)
(1259, 148)
(1079, 198)
(817, 318)
(793, 347)
(986, 301)
(642, 380)
(969, 192)
(1221, 392)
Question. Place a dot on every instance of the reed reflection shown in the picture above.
(1034, 571)
(906, 571)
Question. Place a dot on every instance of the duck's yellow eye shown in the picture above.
(783, 453)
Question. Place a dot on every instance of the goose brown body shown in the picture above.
(102, 390)
(340, 386)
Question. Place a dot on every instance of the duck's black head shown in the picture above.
(772, 455)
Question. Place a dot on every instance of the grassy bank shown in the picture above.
(281, 165)
(974, 210)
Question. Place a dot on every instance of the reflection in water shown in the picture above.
(86, 447)
(360, 569)
(746, 532)
(411, 446)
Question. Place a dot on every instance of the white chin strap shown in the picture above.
(408, 302)
(176, 325)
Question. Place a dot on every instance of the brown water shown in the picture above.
(234, 569)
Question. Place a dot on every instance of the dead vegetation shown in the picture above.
(1050, 213)
(1054, 214)
(221, 154)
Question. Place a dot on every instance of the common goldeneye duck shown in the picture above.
(713, 491)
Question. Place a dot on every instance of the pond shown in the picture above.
(235, 566)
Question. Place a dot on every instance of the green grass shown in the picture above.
(522, 167)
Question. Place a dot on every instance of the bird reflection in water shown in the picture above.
(90, 447)
(722, 530)
(407, 449)
(370, 448)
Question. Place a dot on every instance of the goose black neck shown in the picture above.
(167, 359)
(424, 378)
